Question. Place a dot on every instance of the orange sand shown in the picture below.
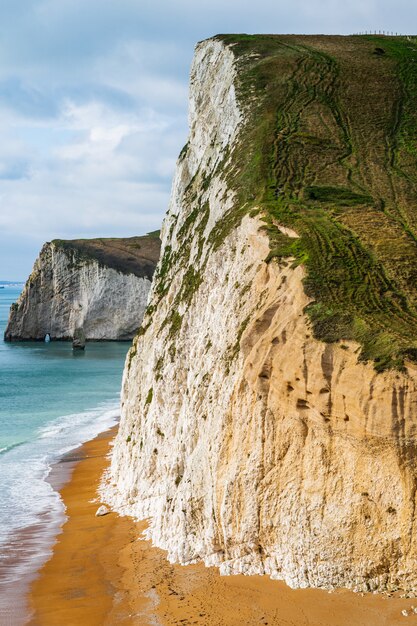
(100, 575)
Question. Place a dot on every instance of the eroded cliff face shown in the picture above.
(104, 292)
(247, 443)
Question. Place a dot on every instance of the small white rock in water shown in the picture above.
(404, 612)
(102, 510)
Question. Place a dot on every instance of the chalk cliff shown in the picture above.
(269, 401)
(100, 285)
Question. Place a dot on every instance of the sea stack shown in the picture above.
(78, 340)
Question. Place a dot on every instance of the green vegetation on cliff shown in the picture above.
(329, 148)
(129, 255)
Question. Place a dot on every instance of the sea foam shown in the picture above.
(24, 468)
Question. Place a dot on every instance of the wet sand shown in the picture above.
(100, 574)
(29, 548)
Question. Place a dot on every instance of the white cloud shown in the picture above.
(111, 176)
(93, 100)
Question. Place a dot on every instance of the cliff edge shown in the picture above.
(269, 402)
(100, 285)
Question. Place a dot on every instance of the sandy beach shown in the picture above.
(100, 574)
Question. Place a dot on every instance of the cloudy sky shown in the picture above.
(93, 104)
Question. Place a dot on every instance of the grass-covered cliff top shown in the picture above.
(132, 255)
(330, 149)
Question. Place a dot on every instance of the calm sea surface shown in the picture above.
(51, 401)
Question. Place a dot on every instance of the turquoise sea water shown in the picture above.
(51, 401)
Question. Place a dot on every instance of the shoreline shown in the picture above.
(79, 583)
(26, 549)
(31, 546)
(100, 573)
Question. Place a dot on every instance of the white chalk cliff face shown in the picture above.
(66, 291)
(247, 443)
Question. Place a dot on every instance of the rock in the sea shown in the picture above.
(78, 341)
(100, 285)
(102, 510)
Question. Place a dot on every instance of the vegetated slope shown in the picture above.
(331, 151)
(100, 285)
(129, 255)
(245, 441)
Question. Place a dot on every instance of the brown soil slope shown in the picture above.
(130, 255)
